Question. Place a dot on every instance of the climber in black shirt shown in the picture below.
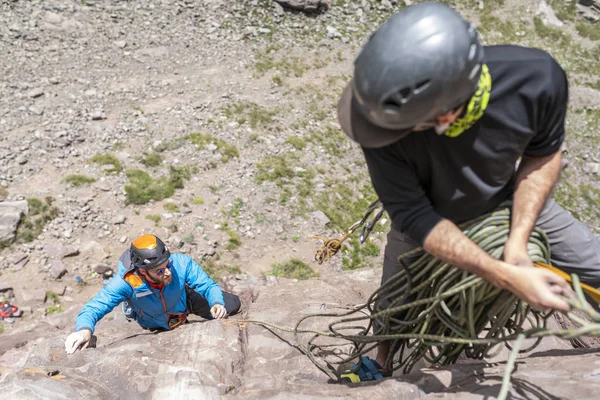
(443, 122)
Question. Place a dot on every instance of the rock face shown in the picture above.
(215, 359)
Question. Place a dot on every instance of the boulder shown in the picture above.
(10, 216)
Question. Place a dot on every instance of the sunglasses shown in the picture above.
(161, 271)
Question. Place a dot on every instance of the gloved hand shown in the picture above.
(218, 311)
(78, 341)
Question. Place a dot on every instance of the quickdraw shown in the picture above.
(331, 246)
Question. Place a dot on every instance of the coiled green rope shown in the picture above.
(437, 312)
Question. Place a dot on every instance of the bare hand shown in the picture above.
(539, 288)
(218, 311)
(517, 255)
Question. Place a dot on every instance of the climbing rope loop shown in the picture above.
(437, 312)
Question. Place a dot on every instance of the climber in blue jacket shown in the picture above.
(158, 290)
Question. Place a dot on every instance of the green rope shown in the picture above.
(437, 312)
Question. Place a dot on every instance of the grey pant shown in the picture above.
(573, 247)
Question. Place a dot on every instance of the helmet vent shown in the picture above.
(422, 86)
(472, 51)
(405, 94)
(391, 106)
(474, 71)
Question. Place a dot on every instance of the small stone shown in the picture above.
(332, 32)
(175, 242)
(54, 80)
(592, 168)
(123, 239)
(33, 295)
(320, 217)
(53, 18)
(34, 93)
(58, 251)
(264, 31)
(120, 44)
(36, 110)
(17, 258)
(57, 269)
(102, 268)
(211, 251)
(98, 115)
(102, 186)
(119, 219)
(21, 160)
(6, 291)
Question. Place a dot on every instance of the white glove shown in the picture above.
(78, 341)
(218, 311)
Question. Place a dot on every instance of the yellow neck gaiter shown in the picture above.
(476, 106)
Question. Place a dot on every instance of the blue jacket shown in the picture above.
(151, 305)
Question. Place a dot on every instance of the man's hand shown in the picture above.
(78, 341)
(516, 254)
(538, 287)
(218, 311)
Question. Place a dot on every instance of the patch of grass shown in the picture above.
(234, 240)
(40, 213)
(142, 187)
(217, 270)
(286, 172)
(285, 65)
(108, 159)
(255, 115)
(277, 80)
(294, 269)
(151, 159)
(582, 201)
(297, 142)
(492, 26)
(54, 309)
(51, 296)
(275, 168)
(189, 239)
(589, 29)
(556, 35)
(565, 10)
(78, 180)
(172, 144)
(171, 207)
(236, 208)
(198, 200)
(118, 146)
(226, 150)
(1, 329)
(154, 218)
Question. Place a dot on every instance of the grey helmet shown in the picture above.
(422, 62)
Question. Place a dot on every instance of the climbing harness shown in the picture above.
(331, 246)
(436, 311)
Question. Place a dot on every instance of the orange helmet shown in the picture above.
(148, 251)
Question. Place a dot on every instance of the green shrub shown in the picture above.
(294, 269)
(78, 180)
(108, 159)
